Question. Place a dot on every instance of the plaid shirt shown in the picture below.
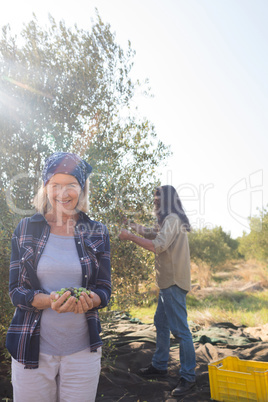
(28, 243)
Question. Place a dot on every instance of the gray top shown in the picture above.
(59, 267)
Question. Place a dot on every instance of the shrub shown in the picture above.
(255, 244)
(212, 246)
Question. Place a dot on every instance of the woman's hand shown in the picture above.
(41, 301)
(57, 302)
(87, 302)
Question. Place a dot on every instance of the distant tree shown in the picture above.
(255, 244)
(212, 246)
(68, 89)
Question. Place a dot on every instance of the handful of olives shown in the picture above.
(76, 292)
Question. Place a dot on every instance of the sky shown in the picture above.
(207, 64)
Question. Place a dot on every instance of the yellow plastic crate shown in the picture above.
(232, 379)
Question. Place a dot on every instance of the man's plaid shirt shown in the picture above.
(28, 242)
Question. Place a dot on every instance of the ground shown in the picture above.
(132, 346)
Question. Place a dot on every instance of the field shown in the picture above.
(237, 292)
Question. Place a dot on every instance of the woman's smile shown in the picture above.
(63, 202)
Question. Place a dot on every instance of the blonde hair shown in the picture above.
(42, 204)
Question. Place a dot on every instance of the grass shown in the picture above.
(225, 303)
(239, 308)
(145, 314)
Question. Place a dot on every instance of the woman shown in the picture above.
(169, 242)
(59, 247)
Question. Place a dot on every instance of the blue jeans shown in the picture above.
(171, 315)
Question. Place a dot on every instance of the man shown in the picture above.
(172, 266)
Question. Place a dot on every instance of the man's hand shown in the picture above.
(145, 243)
(124, 235)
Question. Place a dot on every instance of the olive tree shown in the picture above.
(69, 89)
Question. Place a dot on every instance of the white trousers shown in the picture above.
(58, 378)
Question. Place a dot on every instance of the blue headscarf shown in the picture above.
(66, 163)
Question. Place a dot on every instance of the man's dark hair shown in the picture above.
(167, 201)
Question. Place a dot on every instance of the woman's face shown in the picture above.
(63, 191)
